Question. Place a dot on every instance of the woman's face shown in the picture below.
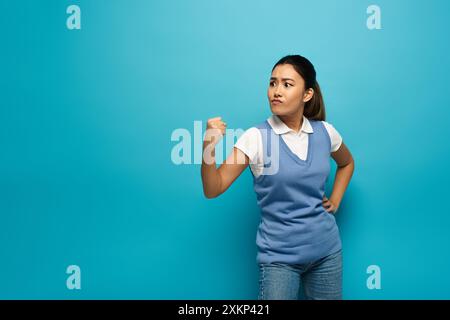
(287, 86)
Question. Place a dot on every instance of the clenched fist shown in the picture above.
(215, 129)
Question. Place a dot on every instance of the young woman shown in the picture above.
(298, 240)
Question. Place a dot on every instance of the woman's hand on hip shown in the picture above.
(328, 205)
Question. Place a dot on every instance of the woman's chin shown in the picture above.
(276, 111)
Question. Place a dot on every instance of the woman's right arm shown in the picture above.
(217, 180)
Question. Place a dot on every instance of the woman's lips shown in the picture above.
(276, 102)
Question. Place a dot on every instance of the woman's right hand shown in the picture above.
(215, 129)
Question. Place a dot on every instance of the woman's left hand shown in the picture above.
(328, 205)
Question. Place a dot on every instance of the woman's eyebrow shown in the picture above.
(273, 78)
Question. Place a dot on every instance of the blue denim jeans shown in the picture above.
(320, 280)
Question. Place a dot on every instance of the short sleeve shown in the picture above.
(335, 137)
(248, 143)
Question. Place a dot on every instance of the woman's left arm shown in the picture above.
(344, 172)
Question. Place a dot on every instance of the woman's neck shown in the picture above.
(294, 122)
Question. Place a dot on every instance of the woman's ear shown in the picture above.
(308, 95)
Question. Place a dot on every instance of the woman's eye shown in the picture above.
(287, 84)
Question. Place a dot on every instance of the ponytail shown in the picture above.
(315, 107)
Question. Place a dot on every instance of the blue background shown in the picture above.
(86, 120)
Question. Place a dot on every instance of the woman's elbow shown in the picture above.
(210, 194)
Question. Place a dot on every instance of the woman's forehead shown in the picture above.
(285, 71)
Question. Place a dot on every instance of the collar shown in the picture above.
(279, 127)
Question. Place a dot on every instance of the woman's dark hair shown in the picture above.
(315, 107)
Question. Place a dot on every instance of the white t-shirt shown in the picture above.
(250, 142)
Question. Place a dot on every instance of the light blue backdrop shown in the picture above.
(86, 120)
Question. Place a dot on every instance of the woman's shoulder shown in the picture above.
(250, 134)
(335, 136)
(250, 143)
(330, 127)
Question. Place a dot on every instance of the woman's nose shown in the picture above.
(277, 90)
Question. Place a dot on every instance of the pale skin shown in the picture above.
(287, 86)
